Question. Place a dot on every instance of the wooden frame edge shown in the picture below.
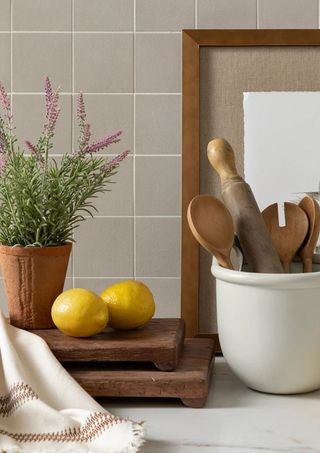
(190, 181)
(192, 41)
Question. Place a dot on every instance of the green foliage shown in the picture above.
(42, 207)
(42, 199)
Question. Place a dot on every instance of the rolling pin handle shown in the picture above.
(239, 199)
(221, 157)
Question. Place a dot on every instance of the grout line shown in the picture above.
(11, 57)
(129, 156)
(65, 93)
(158, 155)
(178, 93)
(65, 32)
(134, 142)
(133, 217)
(72, 44)
(257, 14)
(92, 32)
(156, 32)
(130, 277)
(124, 277)
(72, 122)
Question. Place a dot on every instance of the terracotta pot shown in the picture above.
(33, 278)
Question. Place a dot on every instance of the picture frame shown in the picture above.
(192, 43)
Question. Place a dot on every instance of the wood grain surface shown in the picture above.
(160, 341)
(189, 381)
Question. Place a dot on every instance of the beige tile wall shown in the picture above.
(126, 56)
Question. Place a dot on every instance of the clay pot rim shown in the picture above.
(54, 250)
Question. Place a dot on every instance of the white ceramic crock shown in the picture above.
(269, 328)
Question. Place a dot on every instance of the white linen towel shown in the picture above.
(44, 410)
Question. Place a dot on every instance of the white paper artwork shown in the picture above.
(281, 144)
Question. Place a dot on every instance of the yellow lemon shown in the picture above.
(130, 304)
(79, 312)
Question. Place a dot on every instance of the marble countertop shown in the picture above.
(235, 419)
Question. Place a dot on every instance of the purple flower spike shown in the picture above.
(48, 95)
(31, 147)
(113, 163)
(53, 119)
(5, 101)
(103, 143)
(35, 151)
(81, 111)
(86, 135)
(98, 145)
(52, 111)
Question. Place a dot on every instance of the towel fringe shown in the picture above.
(138, 438)
(134, 445)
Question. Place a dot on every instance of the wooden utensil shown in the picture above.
(239, 199)
(286, 239)
(312, 209)
(212, 226)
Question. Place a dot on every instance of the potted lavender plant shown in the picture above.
(41, 202)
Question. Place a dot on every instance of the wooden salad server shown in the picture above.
(211, 224)
(311, 207)
(249, 225)
(286, 239)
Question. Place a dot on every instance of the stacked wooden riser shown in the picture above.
(152, 361)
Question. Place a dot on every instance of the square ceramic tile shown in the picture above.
(38, 55)
(3, 299)
(227, 14)
(29, 117)
(104, 248)
(103, 15)
(5, 72)
(288, 14)
(164, 15)
(104, 63)
(95, 284)
(157, 247)
(158, 63)
(108, 114)
(158, 124)
(5, 15)
(38, 15)
(158, 185)
(166, 293)
(119, 201)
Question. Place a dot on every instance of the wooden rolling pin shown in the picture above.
(248, 221)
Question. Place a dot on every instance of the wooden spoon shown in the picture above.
(286, 239)
(312, 209)
(212, 226)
